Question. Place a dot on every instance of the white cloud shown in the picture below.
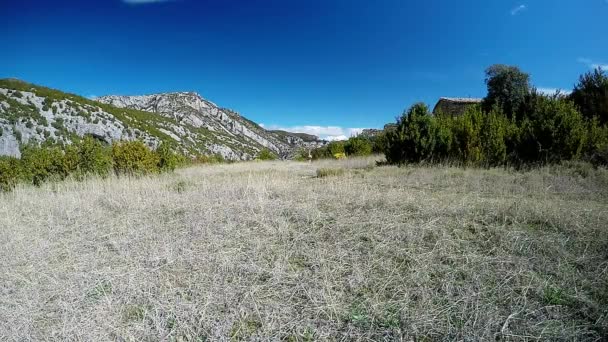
(552, 91)
(592, 64)
(323, 132)
(141, 2)
(518, 9)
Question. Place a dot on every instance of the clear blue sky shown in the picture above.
(345, 63)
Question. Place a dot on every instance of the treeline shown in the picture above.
(515, 125)
(86, 157)
(354, 146)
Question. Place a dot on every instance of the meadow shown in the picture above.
(290, 251)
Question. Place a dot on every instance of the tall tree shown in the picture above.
(507, 88)
(591, 95)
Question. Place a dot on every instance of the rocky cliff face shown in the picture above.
(33, 114)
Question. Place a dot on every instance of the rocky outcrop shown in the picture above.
(33, 114)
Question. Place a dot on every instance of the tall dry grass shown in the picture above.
(268, 251)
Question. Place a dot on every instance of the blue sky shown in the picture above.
(320, 66)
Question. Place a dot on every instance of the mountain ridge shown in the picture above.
(34, 114)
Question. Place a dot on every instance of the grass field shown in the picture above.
(301, 252)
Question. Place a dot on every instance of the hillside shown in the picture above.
(35, 114)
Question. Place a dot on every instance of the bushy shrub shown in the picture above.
(91, 156)
(358, 146)
(41, 164)
(10, 172)
(167, 159)
(266, 154)
(134, 158)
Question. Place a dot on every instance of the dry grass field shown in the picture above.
(269, 251)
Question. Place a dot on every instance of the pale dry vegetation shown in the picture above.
(270, 251)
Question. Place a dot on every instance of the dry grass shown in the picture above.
(268, 251)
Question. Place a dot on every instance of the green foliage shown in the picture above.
(87, 156)
(134, 158)
(358, 146)
(167, 158)
(10, 172)
(591, 95)
(518, 129)
(42, 164)
(91, 156)
(507, 88)
(266, 154)
(412, 141)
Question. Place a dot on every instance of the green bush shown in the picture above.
(41, 164)
(134, 158)
(266, 154)
(91, 157)
(536, 129)
(167, 159)
(10, 172)
(358, 146)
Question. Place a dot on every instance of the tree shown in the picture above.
(591, 95)
(507, 88)
(358, 146)
(412, 140)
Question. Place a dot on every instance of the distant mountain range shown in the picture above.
(35, 114)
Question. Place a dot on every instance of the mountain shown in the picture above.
(35, 114)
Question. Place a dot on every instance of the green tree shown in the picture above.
(591, 95)
(412, 140)
(507, 88)
(358, 146)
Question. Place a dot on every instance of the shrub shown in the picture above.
(167, 159)
(326, 172)
(41, 164)
(358, 146)
(92, 157)
(266, 154)
(134, 158)
(10, 172)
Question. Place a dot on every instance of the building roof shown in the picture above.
(461, 99)
(454, 105)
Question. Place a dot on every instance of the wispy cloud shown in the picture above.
(553, 91)
(330, 133)
(142, 2)
(518, 9)
(592, 64)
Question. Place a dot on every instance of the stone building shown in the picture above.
(454, 105)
